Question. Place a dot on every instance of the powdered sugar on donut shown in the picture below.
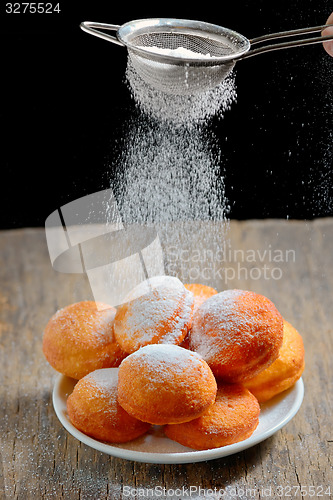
(82, 320)
(160, 315)
(163, 383)
(165, 364)
(106, 380)
(167, 359)
(221, 314)
(155, 283)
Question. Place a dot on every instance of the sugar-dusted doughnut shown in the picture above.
(79, 339)
(158, 310)
(164, 383)
(93, 409)
(285, 370)
(233, 417)
(238, 332)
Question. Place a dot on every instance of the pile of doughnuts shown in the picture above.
(185, 357)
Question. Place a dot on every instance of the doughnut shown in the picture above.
(79, 339)
(200, 293)
(94, 410)
(164, 383)
(238, 333)
(157, 311)
(232, 418)
(285, 370)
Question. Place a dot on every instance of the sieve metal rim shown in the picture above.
(132, 29)
(124, 37)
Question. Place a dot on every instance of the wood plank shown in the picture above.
(40, 459)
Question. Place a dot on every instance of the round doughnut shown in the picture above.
(164, 383)
(158, 311)
(93, 409)
(232, 418)
(79, 339)
(200, 293)
(285, 370)
(238, 332)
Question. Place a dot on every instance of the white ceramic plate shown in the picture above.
(154, 447)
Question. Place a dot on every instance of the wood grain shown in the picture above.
(39, 459)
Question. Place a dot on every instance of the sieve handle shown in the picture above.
(287, 44)
(90, 27)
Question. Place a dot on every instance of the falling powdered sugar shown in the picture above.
(186, 110)
(168, 172)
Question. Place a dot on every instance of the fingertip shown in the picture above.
(328, 46)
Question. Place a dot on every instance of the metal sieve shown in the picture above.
(182, 57)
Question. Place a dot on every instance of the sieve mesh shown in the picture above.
(176, 76)
(179, 79)
(197, 44)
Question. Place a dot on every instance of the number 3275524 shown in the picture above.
(32, 8)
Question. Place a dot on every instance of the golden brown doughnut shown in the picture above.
(158, 310)
(232, 418)
(79, 339)
(285, 370)
(164, 383)
(238, 333)
(93, 409)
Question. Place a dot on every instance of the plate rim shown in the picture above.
(174, 457)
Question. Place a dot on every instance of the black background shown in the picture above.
(64, 104)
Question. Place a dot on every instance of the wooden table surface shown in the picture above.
(39, 459)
